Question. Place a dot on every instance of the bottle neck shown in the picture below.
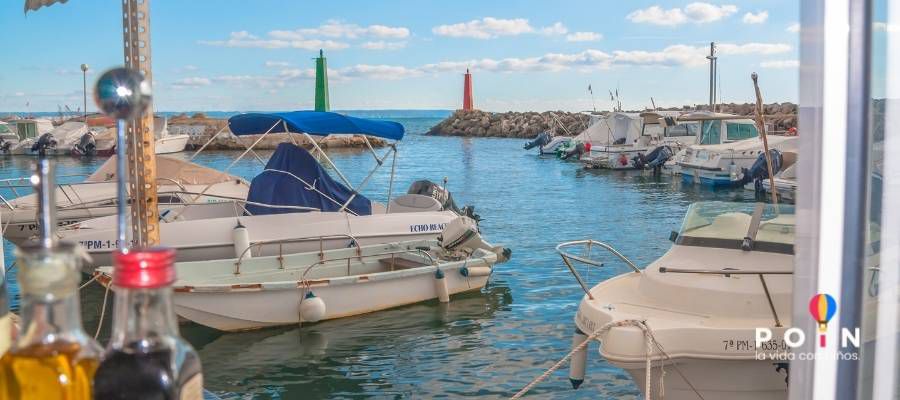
(145, 316)
(49, 316)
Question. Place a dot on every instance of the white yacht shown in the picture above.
(28, 129)
(727, 144)
(694, 311)
(167, 143)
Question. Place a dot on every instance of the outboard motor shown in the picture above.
(540, 140)
(443, 196)
(576, 152)
(758, 171)
(87, 145)
(5, 146)
(45, 142)
(461, 234)
(654, 159)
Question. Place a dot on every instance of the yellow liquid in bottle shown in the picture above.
(40, 372)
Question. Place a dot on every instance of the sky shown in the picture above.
(233, 55)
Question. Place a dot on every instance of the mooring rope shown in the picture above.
(603, 329)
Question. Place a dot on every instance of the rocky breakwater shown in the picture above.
(201, 128)
(510, 124)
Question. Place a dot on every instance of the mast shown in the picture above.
(712, 75)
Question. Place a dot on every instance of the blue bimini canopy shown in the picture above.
(318, 123)
(287, 179)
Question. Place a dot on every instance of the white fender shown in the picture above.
(312, 308)
(440, 285)
(473, 272)
(579, 359)
(240, 235)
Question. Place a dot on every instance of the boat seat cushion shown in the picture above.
(414, 203)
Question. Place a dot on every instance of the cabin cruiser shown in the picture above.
(693, 312)
(8, 137)
(178, 183)
(255, 292)
(28, 129)
(294, 205)
(630, 135)
(101, 141)
(56, 142)
(727, 144)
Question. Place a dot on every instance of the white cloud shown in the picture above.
(192, 82)
(338, 29)
(583, 37)
(485, 28)
(386, 72)
(189, 68)
(383, 45)
(697, 13)
(19, 94)
(758, 18)
(780, 64)
(793, 28)
(244, 39)
(277, 64)
(556, 29)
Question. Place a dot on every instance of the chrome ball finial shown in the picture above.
(122, 93)
(84, 67)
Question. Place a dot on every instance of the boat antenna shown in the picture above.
(761, 126)
(653, 103)
(591, 91)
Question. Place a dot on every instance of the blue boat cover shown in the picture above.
(278, 188)
(318, 123)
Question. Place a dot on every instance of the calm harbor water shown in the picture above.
(486, 344)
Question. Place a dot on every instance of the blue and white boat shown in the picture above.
(727, 145)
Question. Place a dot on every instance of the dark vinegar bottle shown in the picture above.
(146, 358)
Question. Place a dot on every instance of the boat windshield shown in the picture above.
(726, 225)
(710, 132)
(4, 129)
(683, 129)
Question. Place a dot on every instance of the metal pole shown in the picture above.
(712, 75)
(122, 183)
(141, 143)
(761, 126)
(84, 69)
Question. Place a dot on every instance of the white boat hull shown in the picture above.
(171, 144)
(553, 146)
(218, 311)
(713, 379)
(211, 238)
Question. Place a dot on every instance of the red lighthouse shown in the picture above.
(468, 103)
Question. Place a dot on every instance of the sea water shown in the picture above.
(487, 344)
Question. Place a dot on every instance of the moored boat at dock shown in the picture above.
(256, 292)
(687, 312)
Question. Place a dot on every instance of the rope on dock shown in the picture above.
(651, 343)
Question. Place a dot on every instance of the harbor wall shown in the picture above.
(201, 129)
(779, 117)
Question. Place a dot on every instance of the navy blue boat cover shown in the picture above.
(318, 123)
(278, 188)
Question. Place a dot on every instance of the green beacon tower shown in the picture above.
(322, 83)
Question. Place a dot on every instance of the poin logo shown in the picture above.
(822, 308)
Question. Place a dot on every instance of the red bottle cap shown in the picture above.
(144, 268)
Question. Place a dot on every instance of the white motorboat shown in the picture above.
(547, 143)
(28, 130)
(727, 145)
(694, 311)
(256, 292)
(167, 143)
(291, 203)
(58, 141)
(179, 183)
(8, 137)
(630, 135)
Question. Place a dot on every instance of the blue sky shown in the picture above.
(525, 55)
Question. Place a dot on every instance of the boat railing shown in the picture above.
(420, 251)
(354, 242)
(728, 272)
(25, 183)
(587, 247)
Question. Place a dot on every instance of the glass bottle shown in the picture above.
(52, 357)
(146, 358)
(5, 317)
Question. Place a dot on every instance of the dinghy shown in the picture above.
(256, 292)
(694, 311)
(291, 203)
